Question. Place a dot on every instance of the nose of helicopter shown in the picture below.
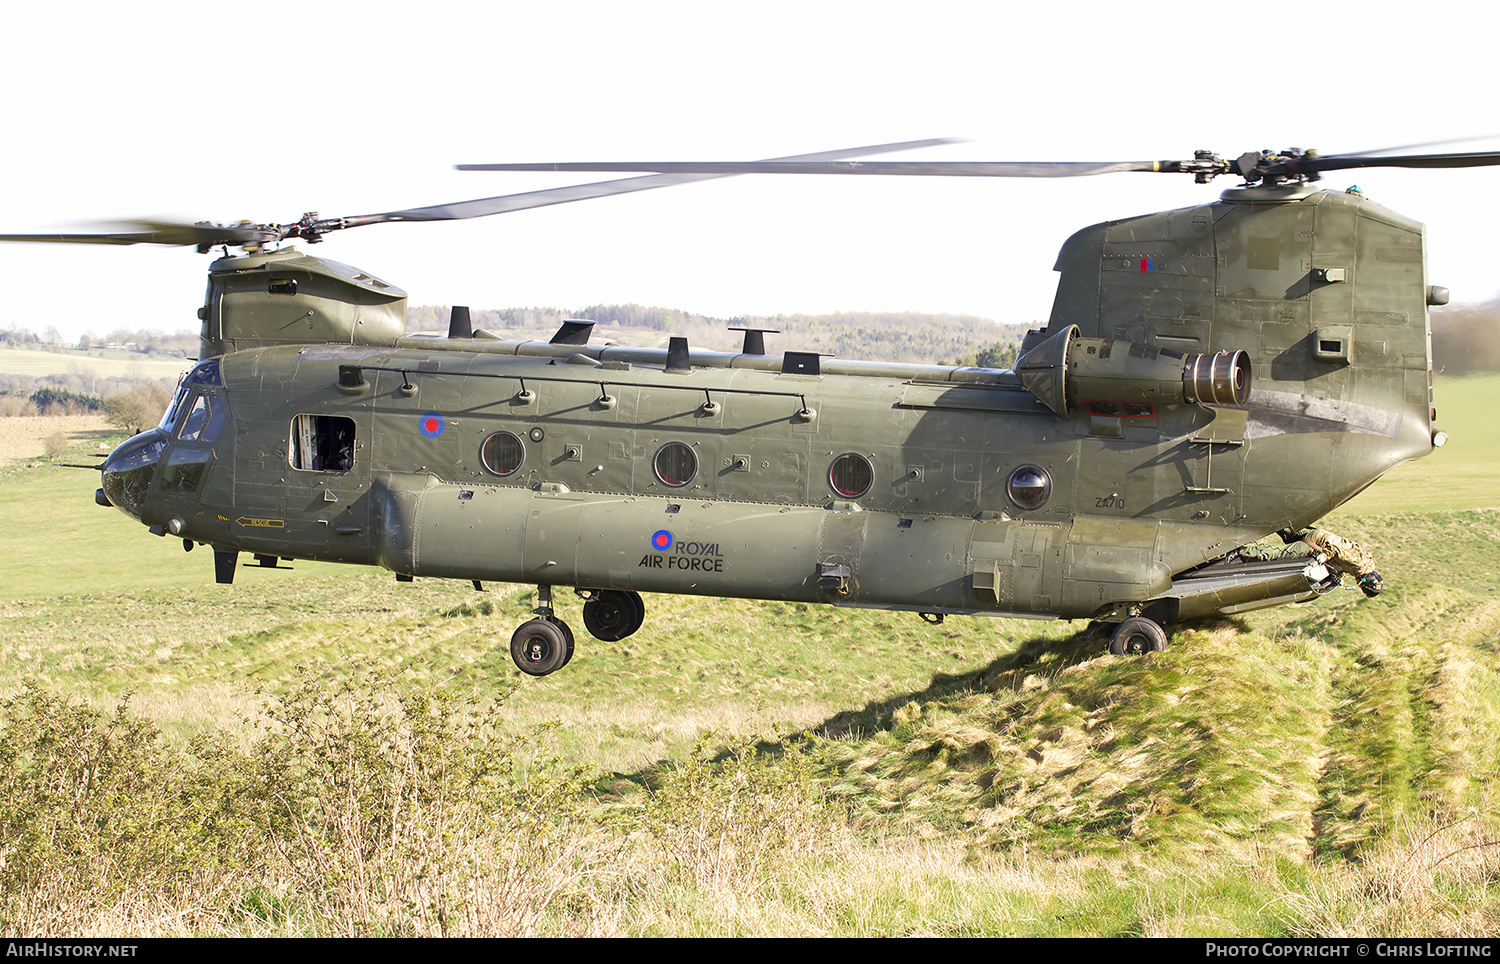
(129, 470)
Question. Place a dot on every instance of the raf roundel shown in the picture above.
(432, 425)
(661, 540)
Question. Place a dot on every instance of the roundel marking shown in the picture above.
(432, 425)
(661, 540)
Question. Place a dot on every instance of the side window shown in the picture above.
(851, 475)
(675, 464)
(502, 453)
(322, 443)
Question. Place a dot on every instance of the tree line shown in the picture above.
(1466, 339)
(145, 341)
(871, 335)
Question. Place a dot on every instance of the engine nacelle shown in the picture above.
(1068, 371)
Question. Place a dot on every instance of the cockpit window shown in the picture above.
(322, 443)
(129, 471)
(169, 418)
(204, 373)
(203, 420)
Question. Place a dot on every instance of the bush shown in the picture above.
(92, 808)
(135, 410)
(356, 812)
(410, 815)
(734, 824)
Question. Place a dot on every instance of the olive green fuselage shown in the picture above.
(865, 484)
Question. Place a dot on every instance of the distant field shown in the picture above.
(102, 364)
(1465, 473)
(25, 437)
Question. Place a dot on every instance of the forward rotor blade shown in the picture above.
(310, 227)
(506, 203)
(154, 232)
(582, 192)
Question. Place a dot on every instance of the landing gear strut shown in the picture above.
(542, 645)
(545, 644)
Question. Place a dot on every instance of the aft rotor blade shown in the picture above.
(883, 168)
(1341, 162)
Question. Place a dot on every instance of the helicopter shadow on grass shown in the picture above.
(1039, 654)
(1005, 675)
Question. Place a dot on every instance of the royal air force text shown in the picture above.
(690, 556)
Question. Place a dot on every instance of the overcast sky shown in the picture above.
(262, 112)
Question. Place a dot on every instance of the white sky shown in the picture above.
(263, 111)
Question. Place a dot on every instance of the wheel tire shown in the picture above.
(638, 607)
(539, 647)
(568, 634)
(612, 615)
(1137, 636)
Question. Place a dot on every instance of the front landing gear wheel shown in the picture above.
(1137, 636)
(541, 646)
(612, 615)
(567, 634)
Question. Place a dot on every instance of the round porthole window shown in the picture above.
(502, 453)
(1029, 486)
(675, 464)
(851, 475)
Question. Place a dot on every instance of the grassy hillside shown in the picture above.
(95, 363)
(1328, 768)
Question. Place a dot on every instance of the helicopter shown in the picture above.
(1208, 376)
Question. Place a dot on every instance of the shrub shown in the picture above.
(93, 807)
(408, 814)
(356, 812)
(134, 410)
(735, 823)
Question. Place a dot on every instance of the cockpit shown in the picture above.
(179, 449)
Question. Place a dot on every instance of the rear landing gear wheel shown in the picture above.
(611, 615)
(541, 646)
(1137, 636)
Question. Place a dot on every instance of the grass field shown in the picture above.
(1463, 474)
(1321, 769)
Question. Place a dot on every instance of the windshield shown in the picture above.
(169, 419)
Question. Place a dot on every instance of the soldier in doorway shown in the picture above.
(1343, 555)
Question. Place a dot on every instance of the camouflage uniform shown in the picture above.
(1343, 555)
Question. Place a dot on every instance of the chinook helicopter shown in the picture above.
(1208, 376)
